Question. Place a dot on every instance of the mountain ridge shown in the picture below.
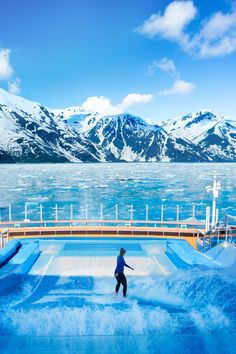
(31, 132)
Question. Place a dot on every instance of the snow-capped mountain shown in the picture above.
(192, 126)
(214, 135)
(29, 132)
(77, 117)
(130, 138)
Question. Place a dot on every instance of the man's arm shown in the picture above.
(128, 266)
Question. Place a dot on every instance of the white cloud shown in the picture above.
(99, 104)
(133, 99)
(171, 25)
(165, 64)
(218, 24)
(218, 35)
(14, 86)
(6, 70)
(104, 106)
(215, 36)
(179, 87)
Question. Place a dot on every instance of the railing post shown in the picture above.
(26, 211)
(146, 213)
(162, 213)
(177, 213)
(194, 211)
(101, 213)
(71, 214)
(198, 238)
(9, 212)
(131, 214)
(116, 214)
(86, 214)
(56, 213)
(217, 216)
(41, 212)
(207, 224)
(1, 239)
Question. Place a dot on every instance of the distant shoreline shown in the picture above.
(119, 162)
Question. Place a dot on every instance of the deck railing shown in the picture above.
(205, 241)
(34, 213)
(183, 224)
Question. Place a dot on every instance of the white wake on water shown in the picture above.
(191, 300)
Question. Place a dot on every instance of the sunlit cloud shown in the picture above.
(7, 72)
(14, 86)
(172, 24)
(165, 64)
(103, 105)
(215, 36)
(179, 87)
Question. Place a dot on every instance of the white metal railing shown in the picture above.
(207, 240)
(201, 241)
(2, 233)
(182, 224)
(58, 215)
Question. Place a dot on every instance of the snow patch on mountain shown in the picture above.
(77, 117)
(192, 126)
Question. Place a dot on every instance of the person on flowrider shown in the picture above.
(119, 272)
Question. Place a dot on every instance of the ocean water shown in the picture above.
(123, 184)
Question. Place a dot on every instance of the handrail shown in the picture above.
(200, 232)
(103, 221)
(5, 231)
(101, 231)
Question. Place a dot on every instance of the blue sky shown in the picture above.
(156, 59)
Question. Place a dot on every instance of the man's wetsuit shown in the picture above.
(121, 278)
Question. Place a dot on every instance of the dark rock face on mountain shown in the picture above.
(215, 136)
(130, 138)
(181, 150)
(5, 158)
(30, 132)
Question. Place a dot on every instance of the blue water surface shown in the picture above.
(124, 184)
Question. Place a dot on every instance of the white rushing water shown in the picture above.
(71, 293)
